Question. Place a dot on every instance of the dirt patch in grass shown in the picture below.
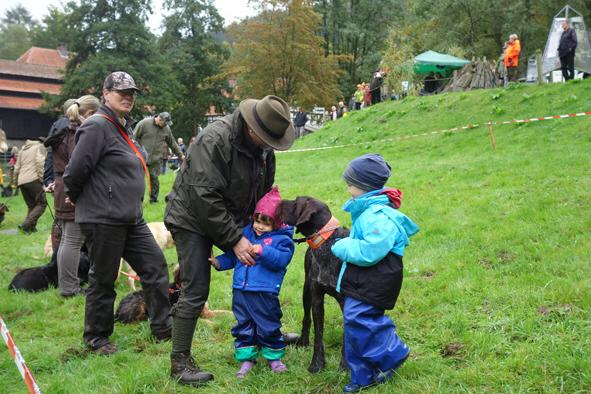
(486, 263)
(74, 353)
(15, 315)
(428, 275)
(453, 349)
(506, 256)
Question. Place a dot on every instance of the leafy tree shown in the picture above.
(14, 41)
(278, 52)
(19, 15)
(357, 30)
(53, 29)
(195, 55)
(111, 35)
(16, 24)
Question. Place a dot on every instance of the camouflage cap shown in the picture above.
(119, 80)
(166, 117)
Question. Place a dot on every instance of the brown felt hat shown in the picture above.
(270, 119)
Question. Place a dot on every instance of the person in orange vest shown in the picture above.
(511, 59)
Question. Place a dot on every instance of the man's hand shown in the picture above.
(243, 252)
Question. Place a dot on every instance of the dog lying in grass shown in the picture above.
(132, 307)
(313, 219)
(41, 278)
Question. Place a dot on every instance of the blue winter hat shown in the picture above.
(368, 172)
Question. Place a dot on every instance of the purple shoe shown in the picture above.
(244, 368)
(277, 366)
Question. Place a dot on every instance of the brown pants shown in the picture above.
(35, 199)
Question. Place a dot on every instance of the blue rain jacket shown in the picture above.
(377, 230)
(270, 268)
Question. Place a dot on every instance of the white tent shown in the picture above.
(550, 60)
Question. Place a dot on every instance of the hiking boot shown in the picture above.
(277, 366)
(244, 368)
(184, 370)
(164, 336)
(106, 350)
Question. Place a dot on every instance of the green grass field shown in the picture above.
(497, 290)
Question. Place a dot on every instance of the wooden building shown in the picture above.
(21, 83)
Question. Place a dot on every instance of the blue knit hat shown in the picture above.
(368, 172)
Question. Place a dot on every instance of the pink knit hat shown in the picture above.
(269, 203)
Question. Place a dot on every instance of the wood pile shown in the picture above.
(478, 74)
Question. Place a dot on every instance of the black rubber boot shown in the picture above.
(184, 370)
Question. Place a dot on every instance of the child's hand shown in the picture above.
(214, 262)
(256, 249)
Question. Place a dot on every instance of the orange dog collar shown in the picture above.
(317, 239)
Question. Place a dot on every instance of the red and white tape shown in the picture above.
(459, 128)
(18, 359)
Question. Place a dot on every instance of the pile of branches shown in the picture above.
(478, 74)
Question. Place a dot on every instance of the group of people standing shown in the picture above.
(566, 53)
(223, 196)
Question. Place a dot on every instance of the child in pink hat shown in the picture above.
(255, 299)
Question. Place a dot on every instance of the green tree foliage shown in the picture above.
(195, 55)
(278, 52)
(15, 26)
(53, 29)
(357, 31)
(112, 35)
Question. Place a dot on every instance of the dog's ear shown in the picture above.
(304, 210)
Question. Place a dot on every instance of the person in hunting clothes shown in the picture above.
(154, 135)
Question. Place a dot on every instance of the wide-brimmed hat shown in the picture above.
(269, 118)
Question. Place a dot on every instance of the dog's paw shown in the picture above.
(316, 367)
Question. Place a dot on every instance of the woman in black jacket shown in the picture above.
(105, 179)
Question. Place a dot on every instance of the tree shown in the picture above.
(278, 52)
(195, 55)
(357, 32)
(53, 29)
(17, 22)
(111, 35)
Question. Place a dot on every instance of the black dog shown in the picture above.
(3, 210)
(312, 218)
(40, 278)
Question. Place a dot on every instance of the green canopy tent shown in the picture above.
(435, 62)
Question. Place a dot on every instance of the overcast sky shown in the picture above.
(230, 10)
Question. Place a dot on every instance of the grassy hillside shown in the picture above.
(497, 290)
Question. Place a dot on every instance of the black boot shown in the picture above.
(184, 370)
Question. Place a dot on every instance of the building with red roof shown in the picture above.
(21, 83)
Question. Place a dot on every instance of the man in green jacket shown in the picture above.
(152, 133)
(229, 167)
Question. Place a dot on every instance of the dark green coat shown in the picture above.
(219, 183)
(153, 137)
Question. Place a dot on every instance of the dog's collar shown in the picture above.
(317, 239)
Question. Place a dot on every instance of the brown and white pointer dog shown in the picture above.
(313, 219)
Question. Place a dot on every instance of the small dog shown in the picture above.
(313, 219)
(40, 278)
(132, 307)
(3, 210)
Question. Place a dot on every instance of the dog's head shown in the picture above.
(307, 214)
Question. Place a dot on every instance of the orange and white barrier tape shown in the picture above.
(18, 359)
(134, 277)
(459, 128)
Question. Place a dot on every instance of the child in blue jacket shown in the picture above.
(371, 274)
(255, 300)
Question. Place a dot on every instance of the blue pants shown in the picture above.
(371, 343)
(258, 325)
